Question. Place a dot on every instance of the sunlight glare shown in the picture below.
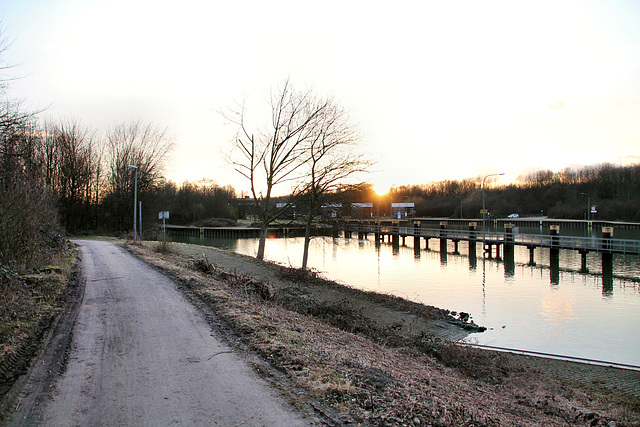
(380, 189)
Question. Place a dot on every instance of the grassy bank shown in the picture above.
(359, 357)
(28, 304)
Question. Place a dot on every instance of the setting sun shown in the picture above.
(381, 190)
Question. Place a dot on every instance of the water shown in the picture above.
(524, 307)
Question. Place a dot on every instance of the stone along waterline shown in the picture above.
(524, 307)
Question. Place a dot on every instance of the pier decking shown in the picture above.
(503, 241)
(423, 230)
(581, 244)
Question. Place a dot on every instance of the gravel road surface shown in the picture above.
(143, 355)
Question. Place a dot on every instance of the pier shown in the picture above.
(279, 230)
(495, 243)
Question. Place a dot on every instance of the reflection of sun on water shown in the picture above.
(556, 308)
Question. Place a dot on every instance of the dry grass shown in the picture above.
(378, 375)
(30, 299)
(29, 302)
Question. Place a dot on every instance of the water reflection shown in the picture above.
(509, 262)
(554, 266)
(607, 274)
(579, 314)
(473, 258)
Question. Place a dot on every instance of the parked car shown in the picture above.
(513, 215)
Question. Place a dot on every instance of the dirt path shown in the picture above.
(142, 355)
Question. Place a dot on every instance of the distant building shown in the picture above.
(331, 211)
(403, 210)
(361, 210)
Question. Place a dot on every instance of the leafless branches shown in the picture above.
(308, 146)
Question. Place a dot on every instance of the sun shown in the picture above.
(380, 190)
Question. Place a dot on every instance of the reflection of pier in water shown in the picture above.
(502, 243)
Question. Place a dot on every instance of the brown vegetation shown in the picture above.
(378, 360)
(30, 302)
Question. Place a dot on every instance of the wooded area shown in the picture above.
(613, 189)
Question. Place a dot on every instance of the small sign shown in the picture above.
(163, 215)
(593, 209)
(484, 211)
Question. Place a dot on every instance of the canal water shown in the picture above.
(536, 308)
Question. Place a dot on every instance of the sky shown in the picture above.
(437, 89)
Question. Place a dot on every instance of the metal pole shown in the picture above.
(140, 222)
(135, 201)
(588, 206)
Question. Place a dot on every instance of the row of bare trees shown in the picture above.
(307, 151)
(63, 176)
(614, 189)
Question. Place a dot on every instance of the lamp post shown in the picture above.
(588, 206)
(484, 210)
(135, 200)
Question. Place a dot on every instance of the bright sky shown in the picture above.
(439, 89)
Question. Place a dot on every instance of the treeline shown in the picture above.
(613, 189)
(62, 177)
(56, 177)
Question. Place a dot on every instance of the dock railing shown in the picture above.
(589, 244)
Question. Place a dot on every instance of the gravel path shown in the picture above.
(143, 355)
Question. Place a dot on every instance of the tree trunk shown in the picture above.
(307, 240)
(262, 241)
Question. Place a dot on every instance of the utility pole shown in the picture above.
(135, 201)
(588, 206)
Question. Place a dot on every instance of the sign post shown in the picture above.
(164, 215)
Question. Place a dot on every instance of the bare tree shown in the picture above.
(142, 145)
(70, 165)
(27, 210)
(275, 156)
(332, 158)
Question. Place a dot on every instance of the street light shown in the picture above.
(135, 201)
(588, 206)
(484, 210)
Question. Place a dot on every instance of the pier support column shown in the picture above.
(554, 254)
(607, 235)
(583, 261)
(426, 243)
(473, 236)
(508, 251)
(416, 243)
(360, 235)
(473, 233)
(554, 232)
(532, 250)
(607, 260)
(416, 228)
(455, 246)
(443, 236)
